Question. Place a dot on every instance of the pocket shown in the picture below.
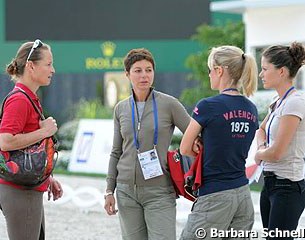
(214, 210)
(301, 185)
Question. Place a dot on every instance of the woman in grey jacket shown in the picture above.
(143, 127)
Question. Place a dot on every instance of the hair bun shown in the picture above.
(12, 68)
(15, 65)
(297, 52)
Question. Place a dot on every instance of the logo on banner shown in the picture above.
(84, 147)
(107, 62)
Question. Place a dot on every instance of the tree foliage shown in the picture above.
(208, 37)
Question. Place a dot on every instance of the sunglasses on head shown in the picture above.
(37, 44)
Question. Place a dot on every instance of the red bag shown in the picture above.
(185, 173)
(31, 166)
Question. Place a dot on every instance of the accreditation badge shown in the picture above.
(150, 164)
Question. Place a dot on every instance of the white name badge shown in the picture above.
(150, 164)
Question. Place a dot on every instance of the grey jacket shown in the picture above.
(124, 166)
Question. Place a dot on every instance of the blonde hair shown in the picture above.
(242, 68)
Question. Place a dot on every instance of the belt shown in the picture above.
(271, 174)
(268, 174)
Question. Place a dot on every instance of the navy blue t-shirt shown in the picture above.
(228, 125)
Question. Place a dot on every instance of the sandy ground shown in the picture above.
(79, 215)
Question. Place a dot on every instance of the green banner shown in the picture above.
(105, 56)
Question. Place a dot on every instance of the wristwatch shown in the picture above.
(107, 194)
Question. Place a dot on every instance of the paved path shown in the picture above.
(80, 214)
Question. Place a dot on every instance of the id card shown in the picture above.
(150, 164)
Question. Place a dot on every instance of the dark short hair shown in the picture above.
(136, 55)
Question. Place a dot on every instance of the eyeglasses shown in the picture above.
(36, 44)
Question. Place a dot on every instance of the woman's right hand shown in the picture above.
(110, 205)
(49, 126)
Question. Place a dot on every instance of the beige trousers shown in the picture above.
(23, 212)
(147, 213)
(222, 211)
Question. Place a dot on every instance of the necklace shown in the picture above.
(229, 89)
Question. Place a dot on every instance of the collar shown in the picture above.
(27, 90)
(149, 97)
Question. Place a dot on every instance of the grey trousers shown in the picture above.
(147, 213)
(222, 211)
(23, 212)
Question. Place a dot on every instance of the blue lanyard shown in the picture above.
(135, 136)
(269, 127)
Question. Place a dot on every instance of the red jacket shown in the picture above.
(185, 173)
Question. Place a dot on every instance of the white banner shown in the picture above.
(92, 146)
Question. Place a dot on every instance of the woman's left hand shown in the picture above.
(197, 145)
(257, 158)
(54, 189)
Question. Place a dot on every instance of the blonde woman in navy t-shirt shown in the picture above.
(227, 124)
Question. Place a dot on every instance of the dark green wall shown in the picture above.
(80, 64)
(73, 56)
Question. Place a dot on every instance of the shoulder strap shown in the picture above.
(34, 105)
